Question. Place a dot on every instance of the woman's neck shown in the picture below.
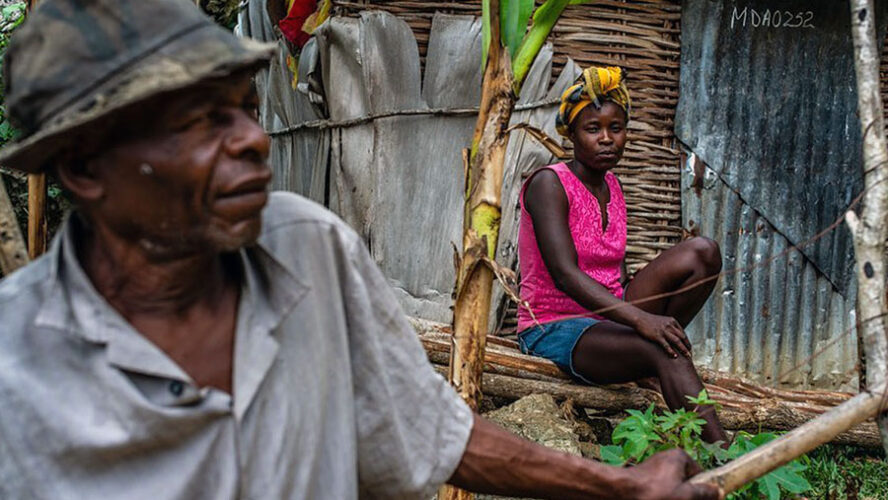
(593, 178)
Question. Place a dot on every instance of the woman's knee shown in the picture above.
(707, 253)
(669, 367)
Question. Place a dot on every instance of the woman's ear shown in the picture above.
(80, 177)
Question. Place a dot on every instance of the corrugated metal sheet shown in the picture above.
(772, 110)
(769, 318)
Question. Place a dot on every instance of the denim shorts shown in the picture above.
(555, 341)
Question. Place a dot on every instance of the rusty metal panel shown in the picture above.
(768, 101)
(780, 323)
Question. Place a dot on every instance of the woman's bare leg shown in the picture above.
(684, 264)
(610, 353)
(613, 353)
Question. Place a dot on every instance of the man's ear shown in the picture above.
(79, 177)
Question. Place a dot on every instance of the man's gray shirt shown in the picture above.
(333, 396)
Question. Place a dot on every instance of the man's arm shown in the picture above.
(498, 462)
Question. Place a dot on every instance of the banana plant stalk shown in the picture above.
(484, 180)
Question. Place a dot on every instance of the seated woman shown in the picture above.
(571, 245)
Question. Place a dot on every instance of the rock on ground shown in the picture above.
(539, 419)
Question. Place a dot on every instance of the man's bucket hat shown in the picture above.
(75, 62)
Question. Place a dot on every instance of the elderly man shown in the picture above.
(189, 335)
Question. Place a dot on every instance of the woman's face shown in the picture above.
(599, 136)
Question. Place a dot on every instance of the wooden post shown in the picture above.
(36, 204)
(481, 219)
(869, 232)
(36, 215)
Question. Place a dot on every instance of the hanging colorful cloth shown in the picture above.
(302, 19)
(593, 87)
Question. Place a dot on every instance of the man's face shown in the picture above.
(191, 174)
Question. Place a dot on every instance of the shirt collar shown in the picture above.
(270, 292)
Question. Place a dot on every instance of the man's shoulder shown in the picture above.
(22, 293)
(27, 281)
(285, 208)
(293, 220)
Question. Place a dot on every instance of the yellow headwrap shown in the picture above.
(593, 87)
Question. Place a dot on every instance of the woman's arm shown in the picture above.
(498, 462)
(546, 202)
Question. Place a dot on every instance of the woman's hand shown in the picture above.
(664, 331)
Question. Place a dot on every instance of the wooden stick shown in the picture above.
(502, 357)
(36, 203)
(803, 439)
(13, 253)
(36, 215)
(871, 231)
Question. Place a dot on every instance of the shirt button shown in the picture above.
(176, 388)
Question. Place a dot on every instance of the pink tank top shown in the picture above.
(599, 254)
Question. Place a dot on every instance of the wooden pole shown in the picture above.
(508, 374)
(871, 231)
(869, 234)
(36, 215)
(36, 204)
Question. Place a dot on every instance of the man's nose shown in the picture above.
(246, 135)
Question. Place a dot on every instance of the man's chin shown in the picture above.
(233, 237)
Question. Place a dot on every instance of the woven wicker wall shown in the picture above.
(639, 35)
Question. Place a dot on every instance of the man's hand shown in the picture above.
(664, 477)
(501, 463)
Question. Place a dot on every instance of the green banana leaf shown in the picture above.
(544, 20)
(485, 33)
(514, 15)
(523, 43)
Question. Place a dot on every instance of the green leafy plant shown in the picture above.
(11, 16)
(839, 472)
(642, 434)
